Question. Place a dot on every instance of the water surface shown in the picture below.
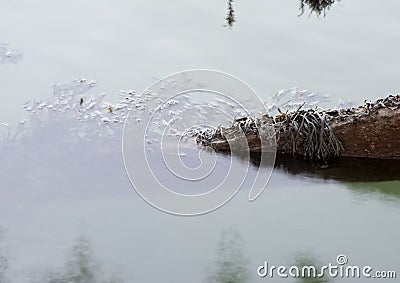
(67, 209)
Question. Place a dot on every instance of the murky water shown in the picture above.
(67, 210)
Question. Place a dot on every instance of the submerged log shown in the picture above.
(368, 131)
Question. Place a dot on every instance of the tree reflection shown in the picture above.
(3, 267)
(305, 260)
(316, 6)
(230, 263)
(230, 18)
(3, 261)
(81, 268)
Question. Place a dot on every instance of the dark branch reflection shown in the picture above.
(316, 6)
(361, 175)
(230, 18)
(343, 169)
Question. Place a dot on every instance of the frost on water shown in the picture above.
(9, 56)
(76, 113)
(293, 98)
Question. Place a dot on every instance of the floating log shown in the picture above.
(371, 130)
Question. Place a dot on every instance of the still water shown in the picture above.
(67, 210)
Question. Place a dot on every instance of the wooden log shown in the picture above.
(373, 135)
(369, 131)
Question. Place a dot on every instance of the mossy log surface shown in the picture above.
(368, 131)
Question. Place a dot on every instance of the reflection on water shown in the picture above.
(343, 169)
(316, 6)
(3, 261)
(361, 175)
(81, 267)
(305, 260)
(231, 263)
(390, 189)
(230, 18)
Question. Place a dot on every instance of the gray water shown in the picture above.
(67, 210)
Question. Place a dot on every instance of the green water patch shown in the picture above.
(389, 189)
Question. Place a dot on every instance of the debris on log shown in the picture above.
(368, 131)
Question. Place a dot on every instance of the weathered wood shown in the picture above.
(373, 135)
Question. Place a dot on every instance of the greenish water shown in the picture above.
(388, 190)
(71, 224)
